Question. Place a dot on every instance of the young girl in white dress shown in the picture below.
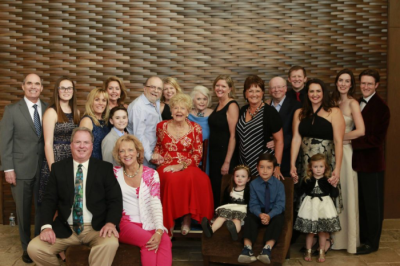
(234, 204)
(317, 213)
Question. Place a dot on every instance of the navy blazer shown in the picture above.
(103, 196)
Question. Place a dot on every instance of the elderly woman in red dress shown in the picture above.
(185, 189)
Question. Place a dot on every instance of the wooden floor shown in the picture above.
(188, 252)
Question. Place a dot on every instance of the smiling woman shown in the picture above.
(96, 118)
(116, 91)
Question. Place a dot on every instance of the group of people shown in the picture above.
(141, 161)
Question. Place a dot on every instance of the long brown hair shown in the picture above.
(61, 117)
(335, 97)
(315, 158)
(307, 109)
(122, 98)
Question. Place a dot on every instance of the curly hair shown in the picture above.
(181, 99)
(202, 90)
(307, 109)
(315, 158)
(138, 147)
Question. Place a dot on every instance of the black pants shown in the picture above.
(370, 193)
(273, 231)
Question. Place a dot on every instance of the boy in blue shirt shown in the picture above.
(266, 208)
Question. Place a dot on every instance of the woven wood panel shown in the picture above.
(193, 41)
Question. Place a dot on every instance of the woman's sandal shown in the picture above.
(307, 255)
(321, 257)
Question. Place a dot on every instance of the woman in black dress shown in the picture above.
(222, 122)
(171, 87)
(258, 123)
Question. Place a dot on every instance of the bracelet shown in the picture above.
(158, 232)
(184, 164)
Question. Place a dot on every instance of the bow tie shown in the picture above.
(363, 101)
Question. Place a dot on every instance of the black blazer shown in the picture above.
(103, 196)
(292, 94)
(286, 113)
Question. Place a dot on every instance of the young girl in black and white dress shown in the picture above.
(234, 204)
(317, 213)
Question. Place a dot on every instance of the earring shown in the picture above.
(137, 156)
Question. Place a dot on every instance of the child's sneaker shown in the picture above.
(265, 256)
(246, 256)
(207, 230)
(232, 229)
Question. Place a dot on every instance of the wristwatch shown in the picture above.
(278, 164)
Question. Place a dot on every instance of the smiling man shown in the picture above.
(22, 153)
(144, 115)
(297, 78)
(88, 200)
(369, 161)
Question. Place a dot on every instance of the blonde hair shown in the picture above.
(122, 98)
(203, 90)
(181, 99)
(89, 106)
(315, 158)
(174, 83)
(230, 83)
(138, 147)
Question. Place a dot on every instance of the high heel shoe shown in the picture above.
(321, 257)
(307, 255)
(185, 228)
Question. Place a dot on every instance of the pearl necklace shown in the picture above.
(132, 176)
(252, 115)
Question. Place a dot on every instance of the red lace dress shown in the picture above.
(187, 191)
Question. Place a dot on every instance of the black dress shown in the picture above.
(218, 147)
(166, 113)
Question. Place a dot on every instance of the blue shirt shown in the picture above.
(279, 105)
(143, 119)
(257, 196)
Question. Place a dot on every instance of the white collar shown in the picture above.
(369, 97)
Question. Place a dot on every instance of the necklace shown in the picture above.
(252, 115)
(200, 114)
(132, 176)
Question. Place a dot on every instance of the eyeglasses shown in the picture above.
(65, 89)
(278, 88)
(154, 88)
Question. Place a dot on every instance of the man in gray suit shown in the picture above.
(22, 152)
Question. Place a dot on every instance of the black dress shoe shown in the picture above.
(232, 230)
(365, 249)
(26, 258)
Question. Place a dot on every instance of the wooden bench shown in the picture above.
(222, 249)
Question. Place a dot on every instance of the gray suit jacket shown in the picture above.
(20, 147)
(107, 146)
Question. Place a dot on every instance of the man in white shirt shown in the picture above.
(88, 200)
(144, 115)
(22, 153)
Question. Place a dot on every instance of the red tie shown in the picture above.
(298, 96)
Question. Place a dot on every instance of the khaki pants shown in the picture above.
(102, 249)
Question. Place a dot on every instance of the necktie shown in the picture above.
(78, 202)
(36, 121)
(298, 96)
(267, 197)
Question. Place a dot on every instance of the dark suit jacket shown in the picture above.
(368, 150)
(292, 94)
(286, 113)
(21, 149)
(103, 196)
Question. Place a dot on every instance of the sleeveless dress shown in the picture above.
(219, 140)
(189, 190)
(166, 114)
(349, 237)
(61, 150)
(99, 133)
(203, 122)
(317, 137)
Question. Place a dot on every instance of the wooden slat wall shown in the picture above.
(193, 41)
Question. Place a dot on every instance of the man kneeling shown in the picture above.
(88, 201)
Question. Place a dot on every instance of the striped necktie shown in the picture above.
(36, 121)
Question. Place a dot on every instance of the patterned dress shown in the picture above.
(99, 133)
(189, 190)
(61, 150)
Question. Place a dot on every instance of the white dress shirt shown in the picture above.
(363, 104)
(32, 110)
(143, 119)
